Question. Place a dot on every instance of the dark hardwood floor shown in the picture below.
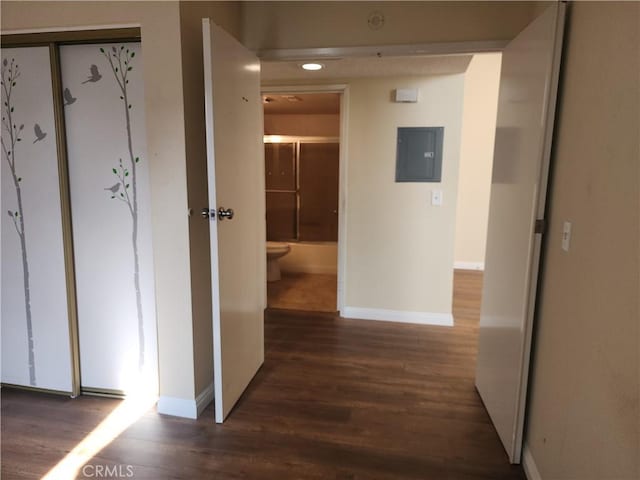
(335, 399)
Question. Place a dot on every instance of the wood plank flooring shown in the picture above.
(335, 399)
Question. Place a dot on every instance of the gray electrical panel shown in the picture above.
(419, 154)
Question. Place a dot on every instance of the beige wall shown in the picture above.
(226, 15)
(481, 82)
(584, 412)
(270, 25)
(319, 125)
(399, 247)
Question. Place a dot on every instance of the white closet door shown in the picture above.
(35, 325)
(110, 204)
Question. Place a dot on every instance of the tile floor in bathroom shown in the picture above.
(304, 291)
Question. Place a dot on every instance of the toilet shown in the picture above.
(275, 250)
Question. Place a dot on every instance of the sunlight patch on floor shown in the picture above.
(138, 401)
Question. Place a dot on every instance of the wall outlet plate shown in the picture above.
(436, 198)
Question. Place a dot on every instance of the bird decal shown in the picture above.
(114, 188)
(94, 75)
(39, 133)
(68, 98)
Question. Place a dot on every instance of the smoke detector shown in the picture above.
(376, 20)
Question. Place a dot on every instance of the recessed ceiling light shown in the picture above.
(312, 66)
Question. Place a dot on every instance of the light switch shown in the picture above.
(436, 198)
(566, 236)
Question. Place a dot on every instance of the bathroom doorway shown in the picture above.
(302, 180)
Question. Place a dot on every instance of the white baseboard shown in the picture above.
(422, 318)
(177, 407)
(186, 408)
(204, 398)
(529, 465)
(468, 265)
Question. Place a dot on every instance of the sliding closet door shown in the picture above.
(35, 322)
(110, 204)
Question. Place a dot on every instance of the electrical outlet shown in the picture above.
(566, 236)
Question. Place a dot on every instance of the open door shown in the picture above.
(235, 163)
(526, 108)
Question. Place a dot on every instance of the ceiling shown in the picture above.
(304, 104)
(360, 67)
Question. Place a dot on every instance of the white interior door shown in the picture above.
(526, 106)
(235, 163)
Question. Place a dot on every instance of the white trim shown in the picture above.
(204, 398)
(334, 88)
(529, 464)
(402, 316)
(343, 89)
(83, 28)
(186, 408)
(178, 407)
(468, 266)
(439, 48)
(211, 183)
(343, 198)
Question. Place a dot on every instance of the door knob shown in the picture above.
(225, 213)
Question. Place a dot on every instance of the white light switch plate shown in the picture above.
(436, 198)
(566, 236)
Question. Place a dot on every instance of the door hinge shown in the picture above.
(540, 226)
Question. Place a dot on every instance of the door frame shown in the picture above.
(541, 206)
(343, 90)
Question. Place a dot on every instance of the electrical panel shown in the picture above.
(419, 154)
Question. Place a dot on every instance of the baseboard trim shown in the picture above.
(186, 408)
(529, 465)
(402, 316)
(204, 398)
(177, 407)
(468, 266)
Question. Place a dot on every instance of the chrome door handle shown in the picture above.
(225, 213)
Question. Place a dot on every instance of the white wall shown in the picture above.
(481, 84)
(399, 247)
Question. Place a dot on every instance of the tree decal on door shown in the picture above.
(10, 75)
(125, 189)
